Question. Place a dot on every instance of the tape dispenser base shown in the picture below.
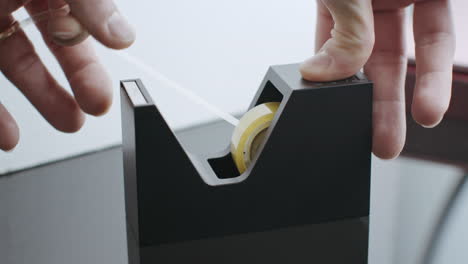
(311, 170)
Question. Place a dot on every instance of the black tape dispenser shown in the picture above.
(300, 157)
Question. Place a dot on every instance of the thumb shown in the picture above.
(350, 44)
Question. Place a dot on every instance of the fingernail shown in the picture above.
(433, 125)
(65, 28)
(430, 126)
(120, 28)
(65, 35)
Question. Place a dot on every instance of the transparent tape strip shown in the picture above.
(158, 76)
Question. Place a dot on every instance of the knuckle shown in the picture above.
(395, 58)
(357, 44)
(22, 64)
(434, 38)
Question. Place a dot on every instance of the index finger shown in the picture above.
(103, 20)
(435, 46)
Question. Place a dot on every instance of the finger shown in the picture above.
(9, 6)
(435, 47)
(102, 19)
(22, 66)
(88, 79)
(9, 132)
(324, 25)
(64, 29)
(387, 69)
(351, 43)
(67, 31)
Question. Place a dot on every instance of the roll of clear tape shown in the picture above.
(250, 133)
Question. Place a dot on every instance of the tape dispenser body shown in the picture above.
(312, 169)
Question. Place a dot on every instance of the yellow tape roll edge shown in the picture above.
(246, 137)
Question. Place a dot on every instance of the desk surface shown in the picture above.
(72, 211)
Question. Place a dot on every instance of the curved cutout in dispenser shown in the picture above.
(224, 166)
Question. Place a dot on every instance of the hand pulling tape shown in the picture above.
(250, 133)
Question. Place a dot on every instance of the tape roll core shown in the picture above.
(250, 134)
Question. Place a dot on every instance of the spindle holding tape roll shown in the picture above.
(250, 133)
